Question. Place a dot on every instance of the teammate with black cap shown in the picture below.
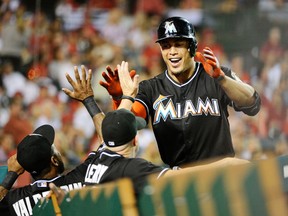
(37, 154)
(188, 103)
(117, 159)
(36, 151)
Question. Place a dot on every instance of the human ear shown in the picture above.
(54, 161)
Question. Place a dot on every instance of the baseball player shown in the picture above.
(116, 159)
(187, 103)
(37, 155)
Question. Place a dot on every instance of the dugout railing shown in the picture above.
(256, 189)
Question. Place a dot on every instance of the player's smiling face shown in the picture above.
(175, 53)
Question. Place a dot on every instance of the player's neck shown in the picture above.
(126, 150)
(48, 175)
(183, 76)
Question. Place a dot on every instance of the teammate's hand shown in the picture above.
(57, 191)
(129, 85)
(82, 87)
(14, 166)
(112, 83)
(210, 63)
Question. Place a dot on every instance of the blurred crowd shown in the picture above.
(40, 41)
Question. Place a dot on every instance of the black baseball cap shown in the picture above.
(120, 126)
(34, 151)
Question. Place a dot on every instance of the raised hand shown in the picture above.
(210, 63)
(112, 83)
(81, 87)
(129, 85)
(14, 166)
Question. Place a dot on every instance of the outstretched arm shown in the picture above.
(221, 163)
(82, 91)
(14, 170)
(243, 95)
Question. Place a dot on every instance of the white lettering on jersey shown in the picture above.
(20, 208)
(178, 105)
(23, 207)
(210, 106)
(72, 186)
(36, 197)
(95, 172)
(27, 200)
(169, 27)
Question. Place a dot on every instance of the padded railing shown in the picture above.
(256, 189)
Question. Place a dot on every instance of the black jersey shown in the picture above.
(108, 166)
(190, 120)
(22, 200)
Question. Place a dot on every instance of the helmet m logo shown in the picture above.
(170, 28)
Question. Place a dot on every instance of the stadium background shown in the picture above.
(44, 39)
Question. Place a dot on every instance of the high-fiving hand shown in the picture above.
(129, 85)
(112, 83)
(210, 63)
(82, 87)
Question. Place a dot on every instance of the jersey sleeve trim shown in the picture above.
(45, 180)
(139, 108)
(250, 110)
(162, 172)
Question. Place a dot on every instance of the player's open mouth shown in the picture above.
(175, 61)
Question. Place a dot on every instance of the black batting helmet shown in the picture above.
(178, 27)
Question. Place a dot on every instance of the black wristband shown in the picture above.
(91, 106)
(117, 97)
(219, 78)
(9, 180)
(128, 97)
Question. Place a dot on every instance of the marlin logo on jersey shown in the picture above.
(209, 106)
(169, 27)
(94, 173)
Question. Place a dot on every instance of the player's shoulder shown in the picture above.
(23, 189)
(153, 80)
(20, 192)
(140, 162)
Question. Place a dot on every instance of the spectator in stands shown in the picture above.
(273, 44)
(18, 124)
(237, 64)
(116, 26)
(208, 38)
(7, 147)
(151, 7)
(14, 35)
(10, 75)
(60, 64)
